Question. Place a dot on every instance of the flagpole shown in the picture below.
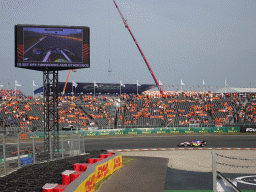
(94, 89)
(137, 88)
(120, 90)
(33, 89)
(72, 88)
(225, 85)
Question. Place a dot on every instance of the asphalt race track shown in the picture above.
(141, 142)
(227, 141)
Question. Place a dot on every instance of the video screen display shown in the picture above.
(52, 47)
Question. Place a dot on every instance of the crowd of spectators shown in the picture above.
(129, 110)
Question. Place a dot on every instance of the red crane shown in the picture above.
(126, 26)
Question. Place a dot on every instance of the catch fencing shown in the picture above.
(234, 166)
(16, 152)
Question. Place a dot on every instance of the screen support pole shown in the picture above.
(51, 116)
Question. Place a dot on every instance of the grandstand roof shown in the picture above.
(103, 88)
(236, 90)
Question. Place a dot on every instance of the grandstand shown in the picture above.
(174, 109)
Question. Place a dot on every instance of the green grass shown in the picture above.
(125, 162)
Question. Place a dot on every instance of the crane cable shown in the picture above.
(109, 67)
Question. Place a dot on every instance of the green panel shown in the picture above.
(91, 133)
(191, 130)
(30, 155)
(147, 131)
(105, 132)
(130, 131)
(219, 130)
(162, 130)
(233, 129)
(1, 160)
(176, 130)
(119, 132)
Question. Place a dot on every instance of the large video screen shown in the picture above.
(52, 47)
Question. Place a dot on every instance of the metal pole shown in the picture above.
(33, 89)
(72, 88)
(62, 152)
(34, 148)
(83, 144)
(72, 147)
(214, 171)
(18, 139)
(94, 91)
(4, 155)
(50, 139)
(79, 145)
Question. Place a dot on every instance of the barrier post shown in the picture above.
(71, 144)
(18, 146)
(50, 138)
(34, 148)
(83, 144)
(79, 145)
(4, 155)
(214, 171)
(62, 152)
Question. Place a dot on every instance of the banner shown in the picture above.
(144, 131)
(101, 171)
(147, 131)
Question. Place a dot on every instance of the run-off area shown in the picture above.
(192, 170)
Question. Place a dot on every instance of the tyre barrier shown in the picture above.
(84, 176)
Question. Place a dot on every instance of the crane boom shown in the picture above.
(126, 26)
(66, 83)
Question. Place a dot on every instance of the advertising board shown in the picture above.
(44, 47)
(101, 171)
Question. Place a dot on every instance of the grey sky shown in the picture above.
(181, 39)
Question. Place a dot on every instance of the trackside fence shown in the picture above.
(234, 170)
(18, 151)
(21, 149)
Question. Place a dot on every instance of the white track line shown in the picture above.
(34, 45)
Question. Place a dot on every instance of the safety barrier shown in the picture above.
(84, 176)
(142, 131)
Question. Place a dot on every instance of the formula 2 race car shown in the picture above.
(196, 143)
